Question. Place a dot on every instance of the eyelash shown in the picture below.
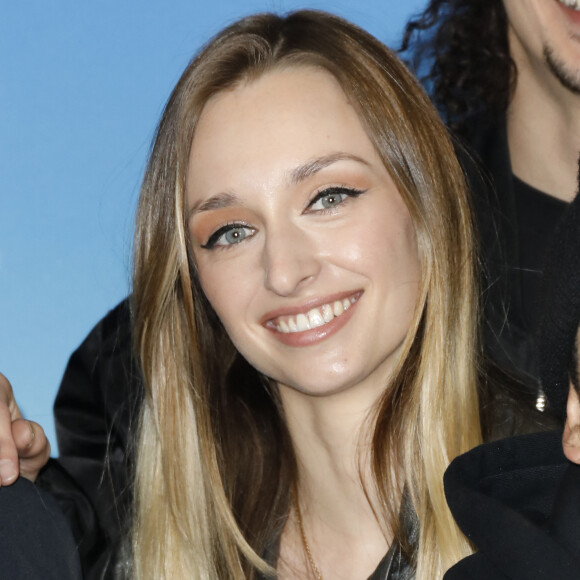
(336, 190)
(213, 239)
(329, 191)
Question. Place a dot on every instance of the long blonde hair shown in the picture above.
(215, 462)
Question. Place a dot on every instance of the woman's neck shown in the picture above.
(336, 494)
(330, 444)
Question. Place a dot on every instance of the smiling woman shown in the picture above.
(304, 309)
(299, 250)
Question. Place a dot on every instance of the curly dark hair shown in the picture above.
(463, 47)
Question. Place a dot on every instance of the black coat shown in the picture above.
(518, 501)
(35, 539)
(95, 411)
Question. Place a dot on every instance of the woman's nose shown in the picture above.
(290, 261)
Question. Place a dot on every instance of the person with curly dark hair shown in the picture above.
(471, 67)
(505, 74)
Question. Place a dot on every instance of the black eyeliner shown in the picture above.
(349, 191)
(210, 244)
(214, 238)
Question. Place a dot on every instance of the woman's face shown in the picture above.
(303, 244)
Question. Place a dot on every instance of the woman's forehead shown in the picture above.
(263, 129)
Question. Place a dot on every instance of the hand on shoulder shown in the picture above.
(24, 448)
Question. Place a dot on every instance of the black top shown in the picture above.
(538, 215)
(507, 213)
(393, 566)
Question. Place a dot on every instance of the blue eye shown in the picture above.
(332, 197)
(228, 236)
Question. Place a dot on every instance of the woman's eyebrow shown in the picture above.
(309, 168)
(218, 201)
(297, 175)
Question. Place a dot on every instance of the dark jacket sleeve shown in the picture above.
(518, 501)
(95, 413)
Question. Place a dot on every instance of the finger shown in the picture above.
(9, 465)
(8, 452)
(33, 447)
(7, 397)
(29, 438)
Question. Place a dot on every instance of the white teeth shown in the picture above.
(315, 318)
(302, 323)
(327, 313)
(575, 4)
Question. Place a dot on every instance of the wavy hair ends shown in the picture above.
(215, 463)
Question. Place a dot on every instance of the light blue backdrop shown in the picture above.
(82, 85)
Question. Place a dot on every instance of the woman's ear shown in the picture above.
(571, 436)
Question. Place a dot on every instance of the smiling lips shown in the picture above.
(314, 324)
(315, 317)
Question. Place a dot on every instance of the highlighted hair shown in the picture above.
(215, 461)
